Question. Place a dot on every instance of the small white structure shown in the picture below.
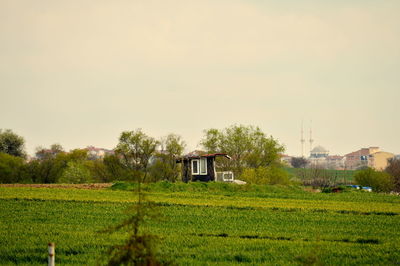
(226, 176)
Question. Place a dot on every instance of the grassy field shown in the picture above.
(204, 223)
(342, 176)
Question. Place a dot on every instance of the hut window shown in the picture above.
(195, 167)
(203, 166)
(199, 166)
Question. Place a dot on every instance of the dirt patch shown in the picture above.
(313, 190)
(79, 186)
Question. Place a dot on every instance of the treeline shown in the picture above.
(139, 155)
(135, 155)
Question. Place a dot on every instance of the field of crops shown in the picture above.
(341, 176)
(204, 224)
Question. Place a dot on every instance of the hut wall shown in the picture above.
(186, 171)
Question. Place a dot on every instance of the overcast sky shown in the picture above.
(79, 73)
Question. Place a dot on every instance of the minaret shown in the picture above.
(302, 140)
(311, 139)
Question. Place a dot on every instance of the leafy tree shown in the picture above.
(75, 173)
(247, 145)
(379, 181)
(108, 169)
(12, 144)
(164, 165)
(212, 140)
(136, 149)
(393, 169)
(270, 175)
(51, 163)
(46, 170)
(11, 169)
(116, 169)
(298, 162)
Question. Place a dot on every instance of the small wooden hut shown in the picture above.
(196, 167)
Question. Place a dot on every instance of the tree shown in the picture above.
(11, 168)
(51, 163)
(379, 181)
(247, 145)
(393, 169)
(136, 149)
(12, 144)
(270, 175)
(164, 166)
(75, 173)
(298, 162)
(140, 246)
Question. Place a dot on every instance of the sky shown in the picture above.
(79, 73)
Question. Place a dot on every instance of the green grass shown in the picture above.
(342, 176)
(204, 223)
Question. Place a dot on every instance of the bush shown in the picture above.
(317, 177)
(270, 175)
(379, 181)
(393, 169)
(75, 173)
(11, 169)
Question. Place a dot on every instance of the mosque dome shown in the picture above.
(319, 149)
(319, 152)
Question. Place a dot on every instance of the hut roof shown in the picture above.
(195, 155)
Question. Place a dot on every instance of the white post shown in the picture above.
(52, 254)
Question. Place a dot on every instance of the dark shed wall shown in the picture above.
(210, 168)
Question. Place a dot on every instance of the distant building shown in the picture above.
(379, 160)
(318, 156)
(286, 159)
(97, 153)
(335, 162)
(367, 157)
(319, 152)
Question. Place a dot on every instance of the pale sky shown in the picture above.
(79, 73)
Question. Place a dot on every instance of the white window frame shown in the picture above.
(204, 162)
(201, 161)
(198, 166)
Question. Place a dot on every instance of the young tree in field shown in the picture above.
(136, 149)
(12, 144)
(247, 145)
(140, 248)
